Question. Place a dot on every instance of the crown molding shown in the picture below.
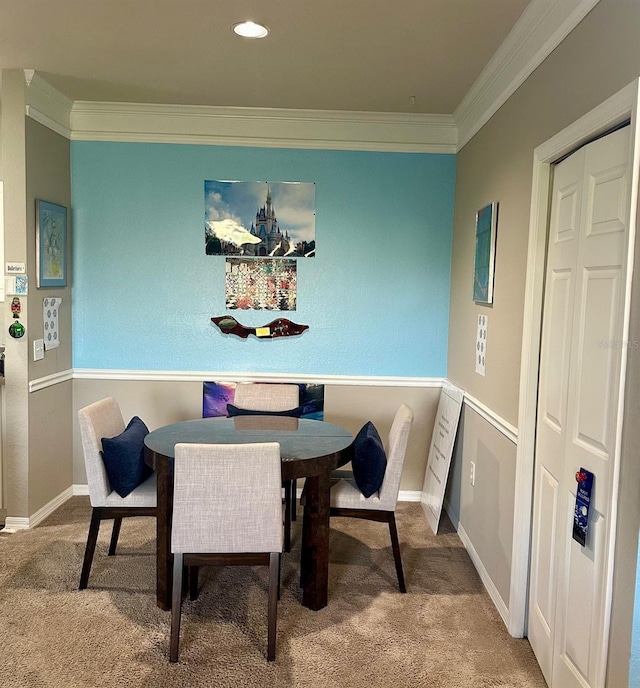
(263, 127)
(542, 27)
(47, 105)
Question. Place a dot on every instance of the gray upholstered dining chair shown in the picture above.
(227, 510)
(269, 398)
(103, 419)
(347, 499)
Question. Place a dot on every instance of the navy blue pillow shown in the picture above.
(235, 411)
(369, 460)
(123, 457)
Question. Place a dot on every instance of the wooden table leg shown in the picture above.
(164, 558)
(314, 563)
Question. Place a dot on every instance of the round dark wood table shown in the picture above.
(309, 449)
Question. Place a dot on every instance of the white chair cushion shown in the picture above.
(345, 494)
(144, 495)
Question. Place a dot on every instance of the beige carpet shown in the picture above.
(445, 632)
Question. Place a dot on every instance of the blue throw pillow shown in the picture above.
(123, 457)
(235, 411)
(369, 460)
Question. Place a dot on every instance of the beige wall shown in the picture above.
(597, 59)
(492, 495)
(37, 453)
(159, 403)
(16, 397)
(48, 170)
(497, 165)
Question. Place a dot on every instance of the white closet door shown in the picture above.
(577, 409)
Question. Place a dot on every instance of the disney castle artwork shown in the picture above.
(228, 233)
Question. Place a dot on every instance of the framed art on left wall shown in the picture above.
(51, 244)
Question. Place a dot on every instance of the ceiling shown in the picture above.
(354, 55)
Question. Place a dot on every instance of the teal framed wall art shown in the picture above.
(486, 224)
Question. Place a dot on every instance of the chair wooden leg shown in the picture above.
(287, 516)
(294, 499)
(115, 533)
(193, 582)
(274, 584)
(176, 607)
(290, 510)
(92, 539)
(395, 544)
(279, 574)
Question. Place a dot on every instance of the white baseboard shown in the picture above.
(80, 490)
(484, 576)
(409, 495)
(12, 523)
(21, 523)
(477, 562)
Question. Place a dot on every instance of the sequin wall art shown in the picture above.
(261, 284)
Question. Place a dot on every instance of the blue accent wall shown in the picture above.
(375, 297)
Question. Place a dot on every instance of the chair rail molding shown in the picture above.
(499, 423)
(50, 380)
(201, 376)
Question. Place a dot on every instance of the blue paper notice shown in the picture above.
(583, 501)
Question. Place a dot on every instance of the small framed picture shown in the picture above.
(486, 223)
(51, 244)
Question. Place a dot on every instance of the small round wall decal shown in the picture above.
(16, 330)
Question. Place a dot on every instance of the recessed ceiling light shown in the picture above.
(249, 29)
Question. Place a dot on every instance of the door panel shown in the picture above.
(596, 367)
(609, 192)
(545, 545)
(542, 602)
(580, 631)
(556, 368)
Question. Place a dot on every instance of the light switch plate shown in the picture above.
(38, 349)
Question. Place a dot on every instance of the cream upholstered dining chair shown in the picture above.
(273, 398)
(348, 500)
(103, 419)
(227, 510)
